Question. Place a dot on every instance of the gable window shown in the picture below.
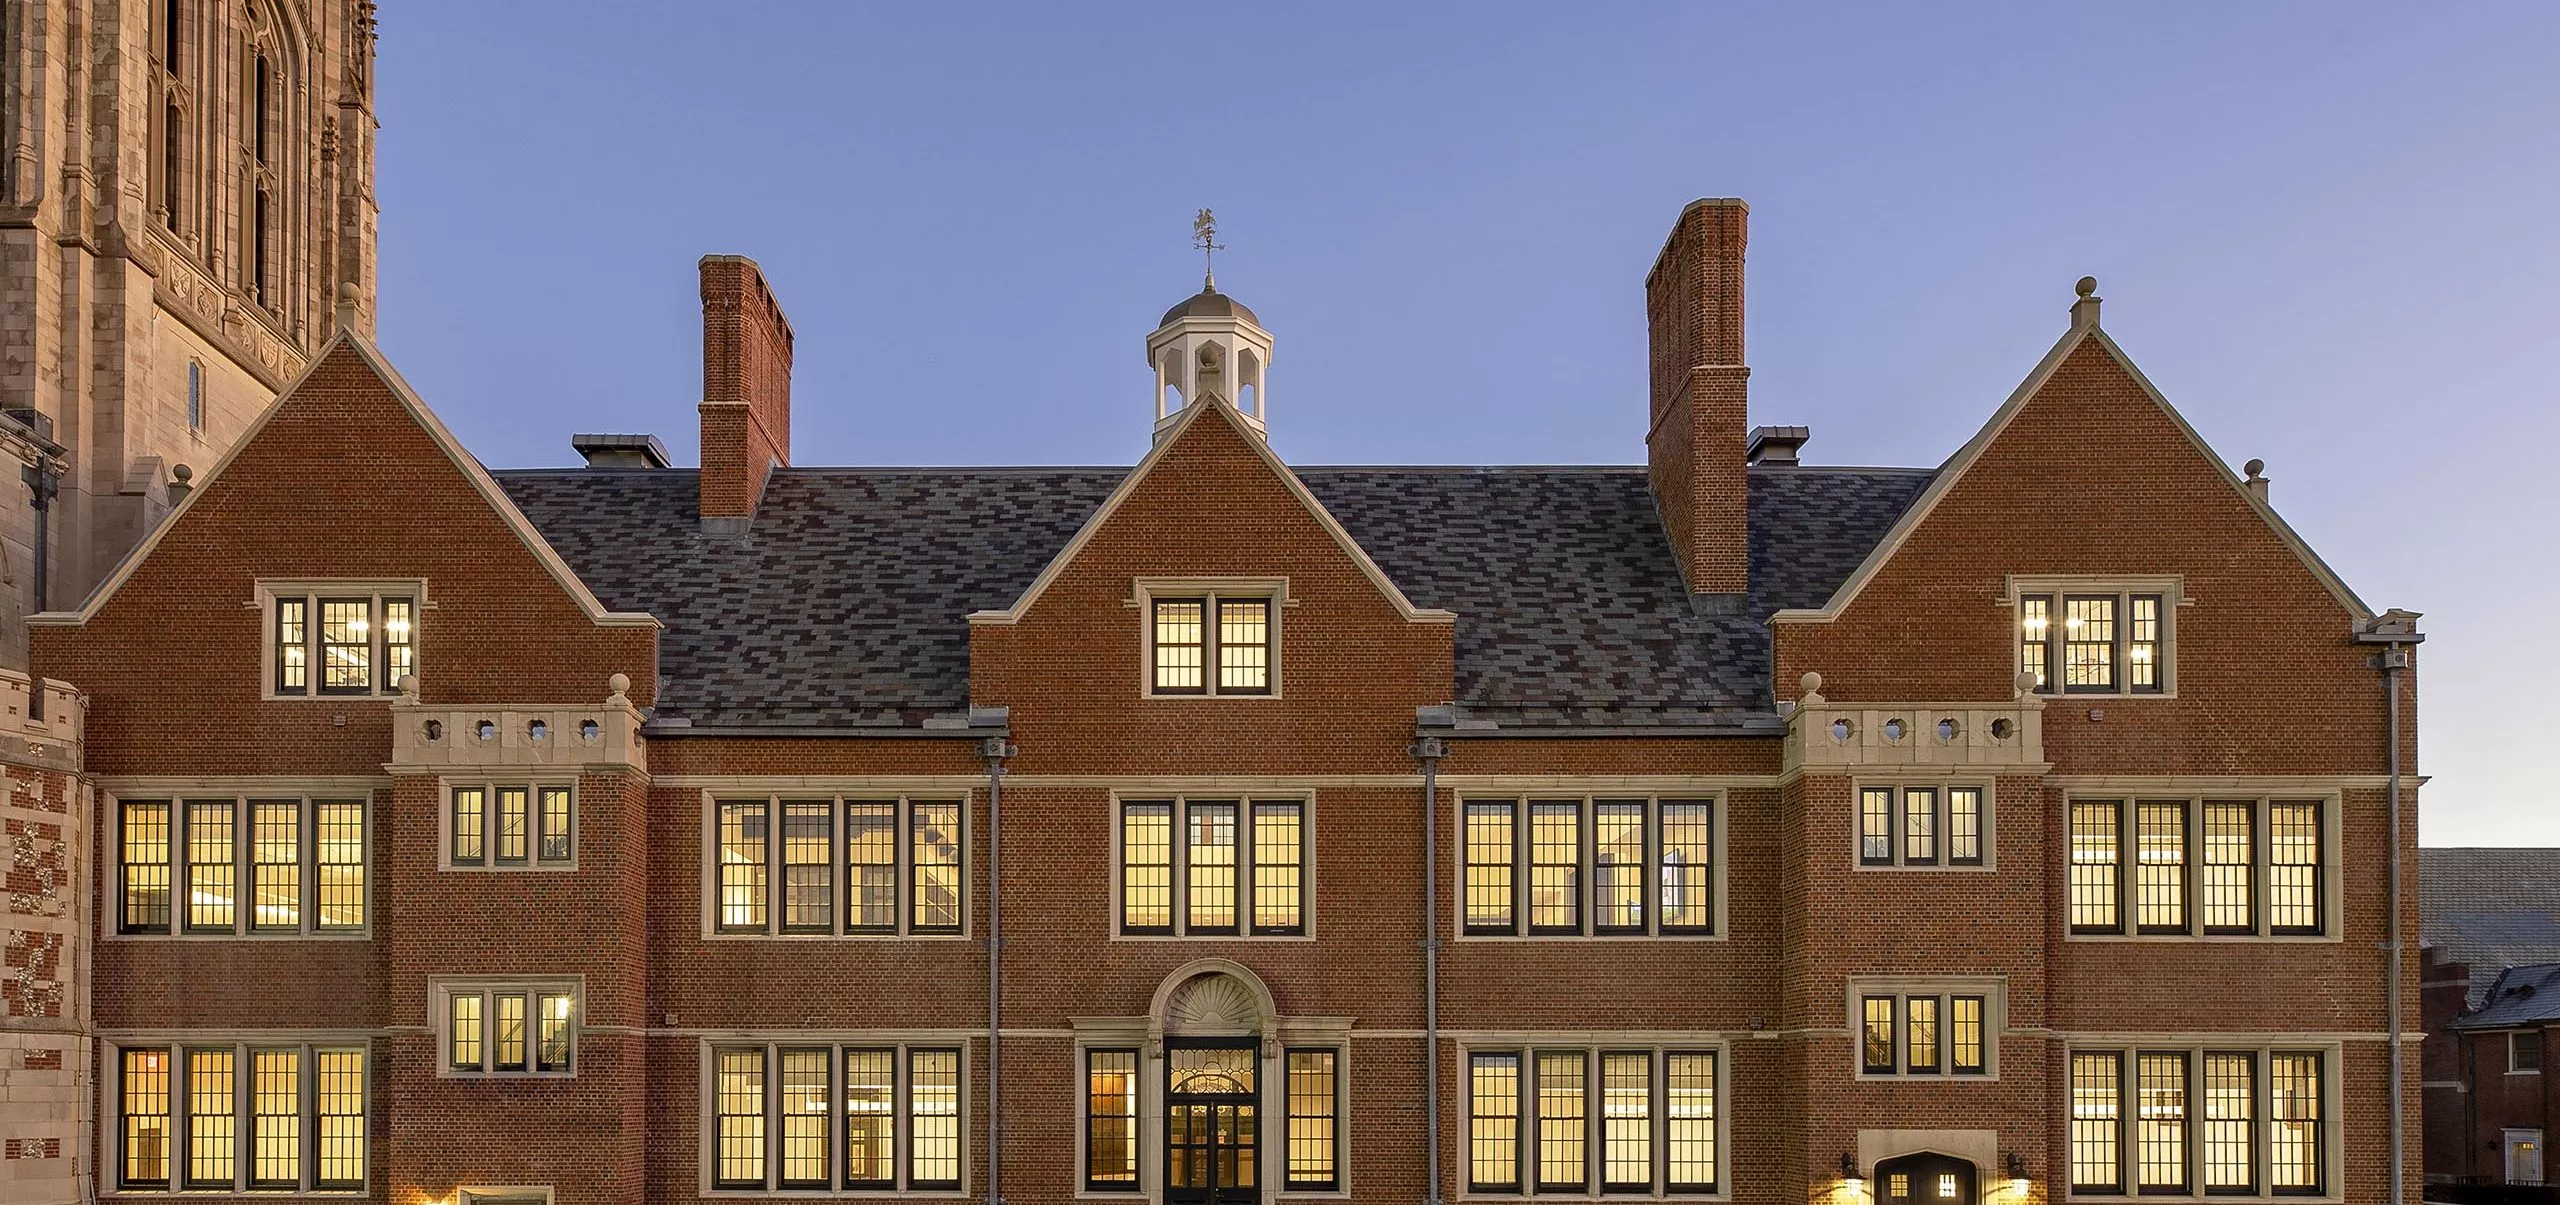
(1572, 1122)
(227, 1118)
(2179, 867)
(792, 1116)
(1212, 642)
(836, 866)
(2095, 638)
(1936, 1028)
(2223, 1122)
(1647, 867)
(2524, 1051)
(227, 867)
(502, 826)
(1920, 826)
(507, 1028)
(336, 641)
(1213, 867)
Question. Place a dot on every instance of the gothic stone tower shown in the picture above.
(186, 192)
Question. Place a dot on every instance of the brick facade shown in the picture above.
(2086, 474)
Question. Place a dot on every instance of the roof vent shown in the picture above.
(620, 451)
(1777, 445)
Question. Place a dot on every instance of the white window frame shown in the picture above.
(1994, 991)
(2173, 600)
(110, 1181)
(442, 988)
(2331, 868)
(111, 917)
(2541, 1051)
(839, 912)
(707, 1094)
(1719, 823)
(1243, 800)
(489, 862)
(1590, 1045)
(1144, 592)
(2194, 1048)
(268, 592)
(1858, 789)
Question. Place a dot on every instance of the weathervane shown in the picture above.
(1204, 235)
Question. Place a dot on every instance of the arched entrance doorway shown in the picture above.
(1213, 1062)
(1927, 1178)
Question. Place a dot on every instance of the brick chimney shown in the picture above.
(1696, 449)
(746, 390)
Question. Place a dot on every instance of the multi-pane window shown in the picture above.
(240, 1117)
(2236, 867)
(1111, 1121)
(2524, 1050)
(775, 1107)
(1569, 1122)
(1210, 644)
(835, 865)
(510, 825)
(1580, 866)
(1213, 867)
(2113, 642)
(2178, 1121)
(241, 865)
(327, 642)
(1920, 826)
(508, 1028)
(1924, 1033)
(1315, 1120)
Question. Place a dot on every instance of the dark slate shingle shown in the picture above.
(844, 603)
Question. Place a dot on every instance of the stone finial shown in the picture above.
(2084, 312)
(182, 480)
(620, 686)
(2257, 482)
(409, 687)
(1812, 683)
(2088, 286)
(2025, 681)
(350, 299)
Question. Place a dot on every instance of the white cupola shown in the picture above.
(1209, 347)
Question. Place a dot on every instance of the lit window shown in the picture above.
(237, 1118)
(258, 866)
(774, 866)
(1545, 1096)
(1211, 644)
(514, 1028)
(773, 1107)
(1922, 1054)
(1529, 859)
(360, 644)
(1920, 826)
(2238, 887)
(1925, 1032)
(1239, 867)
(1970, 1044)
(1876, 1042)
(2094, 643)
(510, 826)
(2172, 1138)
(1111, 1121)
(1315, 1109)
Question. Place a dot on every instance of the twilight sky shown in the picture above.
(2324, 230)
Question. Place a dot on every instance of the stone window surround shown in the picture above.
(112, 795)
(2332, 858)
(754, 789)
(707, 1096)
(1994, 990)
(2332, 1102)
(1244, 798)
(109, 1097)
(440, 1020)
(489, 862)
(262, 602)
(1926, 778)
(1590, 1042)
(1719, 915)
(2173, 600)
(1143, 593)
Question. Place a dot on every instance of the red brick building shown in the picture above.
(2490, 1000)
(1727, 828)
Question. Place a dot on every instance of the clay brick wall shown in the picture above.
(1696, 441)
(746, 385)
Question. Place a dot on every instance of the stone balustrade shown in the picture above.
(433, 739)
(1824, 735)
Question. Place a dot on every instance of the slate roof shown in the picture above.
(2490, 908)
(844, 604)
(2521, 996)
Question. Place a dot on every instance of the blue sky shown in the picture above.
(2324, 230)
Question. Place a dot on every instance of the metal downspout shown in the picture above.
(2395, 631)
(995, 749)
(1430, 750)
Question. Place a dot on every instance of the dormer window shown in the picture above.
(1212, 641)
(2091, 637)
(353, 639)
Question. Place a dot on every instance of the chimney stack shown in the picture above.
(1695, 449)
(746, 390)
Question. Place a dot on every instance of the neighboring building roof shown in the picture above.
(2490, 908)
(844, 603)
(2522, 995)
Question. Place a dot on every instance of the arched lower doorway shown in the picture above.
(1214, 1024)
(1927, 1178)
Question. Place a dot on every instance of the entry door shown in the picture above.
(2524, 1156)
(1927, 1179)
(1212, 1125)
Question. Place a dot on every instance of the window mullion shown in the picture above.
(307, 1075)
(2129, 867)
(1178, 851)
(773, 902)
(1247, 922)
(840, 897)
(2261, 867)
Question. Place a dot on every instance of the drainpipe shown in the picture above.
(1429, 750)
(2395, 630)
(995, 749)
